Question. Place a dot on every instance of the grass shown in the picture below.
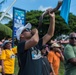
(61, 70)
(16, 67)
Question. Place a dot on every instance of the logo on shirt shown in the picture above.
(36, 53)
(12, 56)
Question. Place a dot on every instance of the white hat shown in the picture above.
(5, 42)
(19, 31)
(55, 45)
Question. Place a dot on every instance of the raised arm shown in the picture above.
(51, 29)
(33, 41)
(60, 52)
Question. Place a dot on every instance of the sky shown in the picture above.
(35, 5)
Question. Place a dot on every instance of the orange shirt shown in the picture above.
(54, 59)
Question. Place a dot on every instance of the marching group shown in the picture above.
(35, 57)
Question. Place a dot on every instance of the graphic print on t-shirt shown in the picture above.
(12, 56)
(36, 53)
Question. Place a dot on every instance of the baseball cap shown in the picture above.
(55, 45)
(19, 31)
(5, 42)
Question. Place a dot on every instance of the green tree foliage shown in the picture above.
(10, 24)
(72, 22)
(5, 31)
(61, 27)
(33, 17)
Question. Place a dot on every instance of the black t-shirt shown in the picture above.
(46, 69)
(30, 60)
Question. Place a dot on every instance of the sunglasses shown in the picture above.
(27, 30)
(72, 38)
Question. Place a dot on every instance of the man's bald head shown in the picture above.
(72, 38)
(73, 34)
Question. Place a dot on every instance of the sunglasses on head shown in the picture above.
(72, 38)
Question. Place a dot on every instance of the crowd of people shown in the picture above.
(35, 56)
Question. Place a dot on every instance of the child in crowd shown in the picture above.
(8, 57)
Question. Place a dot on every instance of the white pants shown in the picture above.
(0, 73)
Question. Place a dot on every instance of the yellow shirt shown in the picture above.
(0, 65)
(9, 60)
(0, 61)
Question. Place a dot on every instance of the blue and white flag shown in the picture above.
(65, 10)
(18, 20)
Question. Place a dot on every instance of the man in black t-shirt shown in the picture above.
(29, 54)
